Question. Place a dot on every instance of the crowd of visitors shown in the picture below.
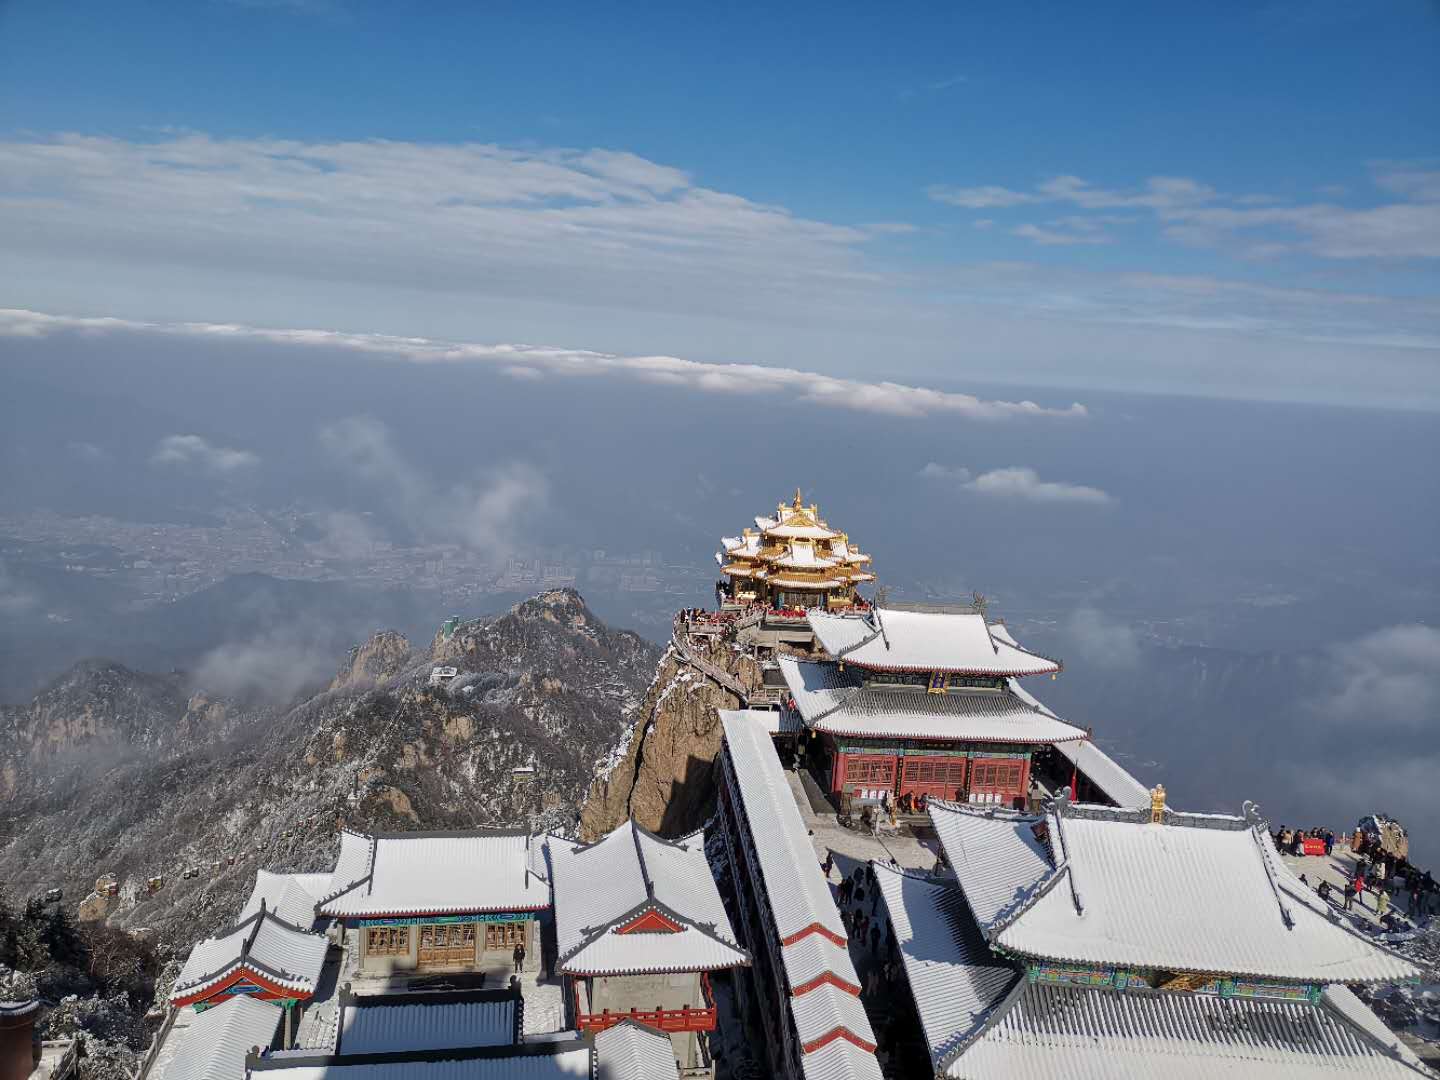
(1292, 841)
(1375, 873)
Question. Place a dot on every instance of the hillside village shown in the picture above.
(830, 836)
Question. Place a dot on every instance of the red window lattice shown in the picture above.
(996, 776)
(875, 770)
(936, 771)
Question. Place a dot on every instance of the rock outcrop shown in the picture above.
(664, 774)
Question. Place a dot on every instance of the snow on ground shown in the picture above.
(544, 1004)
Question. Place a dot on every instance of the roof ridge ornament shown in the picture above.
(1157, 805)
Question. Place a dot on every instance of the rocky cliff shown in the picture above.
(113, 771)
(664, 773)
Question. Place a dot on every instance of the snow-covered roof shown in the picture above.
(815, 958)
(1198, 893)
(1105, 773)
(775, 721)
(829, 1012)
(530, 1061)
(982, 1019)
(955, 980)
(999, 859)
(889, 640)
(744, 547)
(216, 1042)
(616, 899)
(265, 948)
(798, 895)
(840, 1059)
(384, 1023)
(632, 1051)
(433, 873)
(292, 897)
(837, 1041)
(837, 701)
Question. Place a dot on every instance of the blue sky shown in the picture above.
(1221, 198)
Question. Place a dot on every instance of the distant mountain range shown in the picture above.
(110, 770)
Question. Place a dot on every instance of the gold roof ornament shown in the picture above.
(1157, 805)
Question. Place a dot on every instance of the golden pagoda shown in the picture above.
(792, 560)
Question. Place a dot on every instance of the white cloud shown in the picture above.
(273, 666)
(1192, 212)
(486, 514)
(1050, 237)
(1387, 679)
(894, 399)
(1101, 641)
(1017, 482)
(980, 198)
(602, 246)
(16, 598)
(521, 221)
(347, 535)
(196, 451)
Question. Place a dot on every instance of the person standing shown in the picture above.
(1360, 888)
(518, 956)
(1382, 902)
(1349, 894)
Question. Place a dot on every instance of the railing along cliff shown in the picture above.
(709, 670)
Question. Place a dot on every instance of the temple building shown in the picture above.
(640, 926)
(925, 704)
(792, 561)
(1091, 941)
(804, 991)
(262, 956)
(438, 901)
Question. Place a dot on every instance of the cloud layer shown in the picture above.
(195, 451)
(533, 361)
(1193, 212)
(486, 514)
(604, 247)
(1016, 482)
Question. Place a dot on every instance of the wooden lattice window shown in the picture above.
(946, 771)
(873, 770)
(447, 943)
(505, 935)
(388, 941)
(996, 776)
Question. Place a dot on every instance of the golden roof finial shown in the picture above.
(797, 498)
(1157, 805)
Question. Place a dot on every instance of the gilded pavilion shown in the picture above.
(792, 560)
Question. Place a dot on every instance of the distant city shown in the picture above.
(158, 563)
